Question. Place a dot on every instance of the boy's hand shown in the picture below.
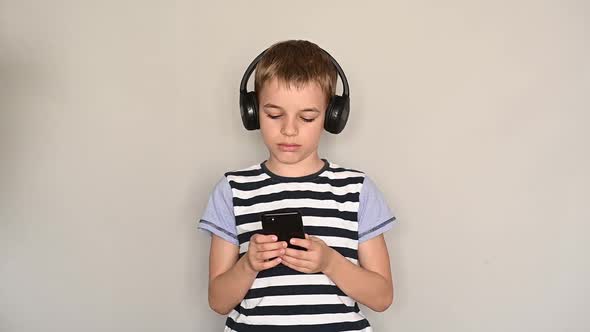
(261, 251)
(316, 259)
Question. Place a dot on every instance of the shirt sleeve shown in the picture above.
(218, 217)
(374, 216)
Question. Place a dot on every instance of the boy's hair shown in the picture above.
(297, 62)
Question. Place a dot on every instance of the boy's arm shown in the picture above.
(370, 283)
(230, 278)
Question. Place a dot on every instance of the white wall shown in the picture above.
(117, 118)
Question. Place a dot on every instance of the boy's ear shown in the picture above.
(249, 110)
(337, 114)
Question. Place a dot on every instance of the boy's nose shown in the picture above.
(289, 127)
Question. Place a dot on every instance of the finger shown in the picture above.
(271, 263)
(272, 246)
(299, 254)
(296, 268)
(315, 239)
(261, 238)
(301, 242)
(302, 264)
(269, 254)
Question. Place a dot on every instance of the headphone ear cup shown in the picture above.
(337, 114)
(249, 110)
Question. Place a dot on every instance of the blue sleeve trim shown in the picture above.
(390, 220)
(208, 223)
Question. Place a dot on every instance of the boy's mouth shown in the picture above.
(289, 147)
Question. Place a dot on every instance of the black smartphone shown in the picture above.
(285, 225)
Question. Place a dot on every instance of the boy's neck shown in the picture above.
(310, 165)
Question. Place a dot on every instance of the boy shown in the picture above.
(257, 280)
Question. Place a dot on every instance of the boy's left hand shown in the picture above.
(316, 259)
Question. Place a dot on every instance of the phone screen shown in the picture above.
(285, 225)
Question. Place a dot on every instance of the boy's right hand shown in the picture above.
(261, 251)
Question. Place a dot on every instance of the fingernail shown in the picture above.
(274, 238)
(285, 244)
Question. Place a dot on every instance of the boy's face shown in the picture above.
(291, 120)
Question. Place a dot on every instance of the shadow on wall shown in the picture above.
(28, 92)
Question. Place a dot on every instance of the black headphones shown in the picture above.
(336, 113)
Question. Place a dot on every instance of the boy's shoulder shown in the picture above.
(254, 169)
(335, 167)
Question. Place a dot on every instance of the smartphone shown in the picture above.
(285, 225)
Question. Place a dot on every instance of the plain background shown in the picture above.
(118, 117)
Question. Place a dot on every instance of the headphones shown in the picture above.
(336, 112)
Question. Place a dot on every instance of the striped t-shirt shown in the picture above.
(341, 206)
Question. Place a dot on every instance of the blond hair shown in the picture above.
(297, 62)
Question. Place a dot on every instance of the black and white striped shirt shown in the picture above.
(340, 206)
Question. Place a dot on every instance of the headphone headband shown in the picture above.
(252, 66)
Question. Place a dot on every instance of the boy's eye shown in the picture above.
(278, 116)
